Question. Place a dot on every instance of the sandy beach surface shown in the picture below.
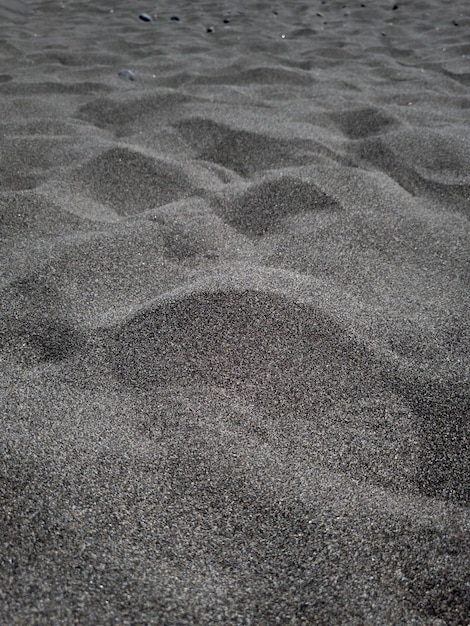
(234, 330)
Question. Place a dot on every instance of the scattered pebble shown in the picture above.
(395, 7)
(226, 20)
(174, 18)
(145, 17)
(126, 74)
(210, 29)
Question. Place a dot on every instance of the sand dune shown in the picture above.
(234, 334)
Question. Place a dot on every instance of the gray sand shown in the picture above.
(234, 331)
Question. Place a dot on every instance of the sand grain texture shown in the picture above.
(234, 335)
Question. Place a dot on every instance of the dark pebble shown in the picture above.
(226, 20)
(210, 29)
(126, 74)
(455, 23)
(145, 17)
(395, 7)
(174, 18)
(383, 34)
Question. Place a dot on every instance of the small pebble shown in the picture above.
(174, 18)
(126, 74)
(395, 7)
(145, 17)
(210, 29)
(226, 20)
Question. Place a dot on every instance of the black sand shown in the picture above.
(235, 331)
